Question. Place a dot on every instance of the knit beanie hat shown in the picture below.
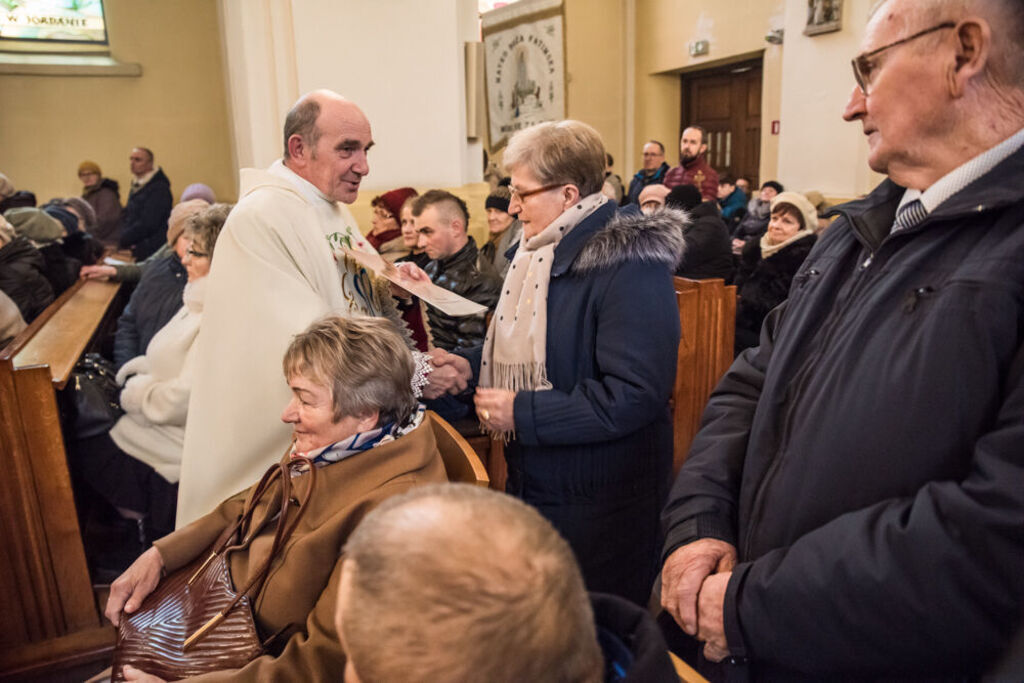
(6, 187)
(34, 224)
(800, 203)
(394, 200)
(89, 167)
(653, 193)
(6, 231)
(83, 209)
(777, 186)
(499, 199)
(683, 197)
(199, 191)
(180, 215)
(66, 218)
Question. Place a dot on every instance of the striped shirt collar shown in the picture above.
(963, 175)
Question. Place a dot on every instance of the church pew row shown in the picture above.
(48, 614)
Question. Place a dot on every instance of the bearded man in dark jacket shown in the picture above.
(441, 220)
(852, 505)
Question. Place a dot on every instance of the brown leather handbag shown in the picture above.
(195, 622)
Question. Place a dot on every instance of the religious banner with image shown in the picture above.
(525, 68)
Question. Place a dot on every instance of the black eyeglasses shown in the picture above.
(523, 194)
(863, 64)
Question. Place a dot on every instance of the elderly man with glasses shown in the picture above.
(853, 506)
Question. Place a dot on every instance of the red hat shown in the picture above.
(394, 200)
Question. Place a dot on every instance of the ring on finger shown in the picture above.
(485, 414)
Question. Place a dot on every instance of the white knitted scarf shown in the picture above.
(515, 351)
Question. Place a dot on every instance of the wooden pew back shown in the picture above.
(46, 593)
(707, 317)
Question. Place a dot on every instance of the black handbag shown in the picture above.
(95, 406)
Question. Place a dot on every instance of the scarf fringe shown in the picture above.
(518, 377)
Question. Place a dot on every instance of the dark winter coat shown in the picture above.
(640, 181)
(61, 270)
(23, 277)
(153, 303)
(755, 223)
(763, 283)
(459, 273)
(594, 453)
(82, 247)
(708, 252)
(144, 220)
(105, 199)
(866, 460)
(633, 647)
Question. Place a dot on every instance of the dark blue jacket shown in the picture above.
(867, 459)
(733, 204)
(594, 453)
(640, 181)
(144, 220)
(153, 303)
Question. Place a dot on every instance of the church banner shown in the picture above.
(525, 68)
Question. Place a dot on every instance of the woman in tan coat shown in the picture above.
(355, 417)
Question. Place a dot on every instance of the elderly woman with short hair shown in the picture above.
(355, 417)
(579, 363)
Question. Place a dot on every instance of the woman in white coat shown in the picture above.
(136, 465)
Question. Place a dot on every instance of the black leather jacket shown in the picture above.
(459, 273)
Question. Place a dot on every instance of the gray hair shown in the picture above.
(569, 152)
(204, 226)
(444, 576)
(301, 121)
(364, 361)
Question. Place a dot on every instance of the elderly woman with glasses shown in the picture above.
(135, 466)
(579, 363)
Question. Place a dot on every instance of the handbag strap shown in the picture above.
(287, 523)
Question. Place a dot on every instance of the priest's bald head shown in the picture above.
(326, 138)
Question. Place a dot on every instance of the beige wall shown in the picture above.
(595, 42)
(820, 151)
(49, 124)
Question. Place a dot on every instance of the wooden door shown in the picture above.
(726, 102)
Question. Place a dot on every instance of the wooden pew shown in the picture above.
(707, 316)
(48, 614)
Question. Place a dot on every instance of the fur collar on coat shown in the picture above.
(654, 238)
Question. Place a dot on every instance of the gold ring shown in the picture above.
(485, 414)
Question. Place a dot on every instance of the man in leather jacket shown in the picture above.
(441, 219)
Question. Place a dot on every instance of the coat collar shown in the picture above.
(871, 217)
(572, 244)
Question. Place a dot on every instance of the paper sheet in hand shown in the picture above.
(438, 297)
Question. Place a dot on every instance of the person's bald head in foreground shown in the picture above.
(459, 583)
(326, 139)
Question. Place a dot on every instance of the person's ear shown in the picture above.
(973, 37)
(297, 148)
(570, 195)
(367, 420)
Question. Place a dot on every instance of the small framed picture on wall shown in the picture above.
(823, 16)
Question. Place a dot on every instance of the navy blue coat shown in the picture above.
(144, 220)
(594, 453)
(152, 305)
